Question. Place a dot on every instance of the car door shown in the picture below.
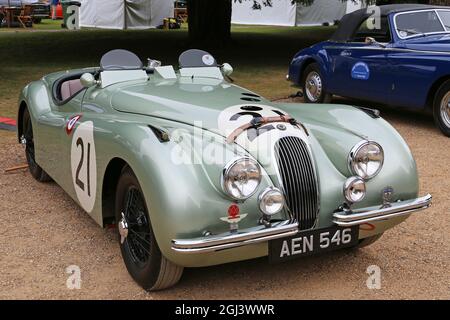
(359, 69)
(55, 130)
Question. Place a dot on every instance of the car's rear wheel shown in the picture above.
(441, 108)
(313, 85)
(140, 251)
(36, 171)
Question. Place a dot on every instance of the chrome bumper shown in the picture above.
(395, 209)
(288, 228)
(233, 240)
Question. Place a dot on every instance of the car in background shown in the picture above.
(41, 9)
(397, 55)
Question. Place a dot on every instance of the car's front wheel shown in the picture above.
(313, 85)
(140, 251)
(36, 171)
(441, 108)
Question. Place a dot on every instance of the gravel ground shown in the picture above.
(43, 232)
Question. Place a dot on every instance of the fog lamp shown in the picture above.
(354, 189)
(271, 201)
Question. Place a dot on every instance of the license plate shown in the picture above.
(306, 243)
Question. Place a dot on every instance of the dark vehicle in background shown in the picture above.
(41, 9)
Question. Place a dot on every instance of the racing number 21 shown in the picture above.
(80, 183)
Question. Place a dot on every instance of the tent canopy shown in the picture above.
(124, 14)
(284, 13)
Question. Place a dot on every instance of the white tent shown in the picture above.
(124, 14)
(284, 13)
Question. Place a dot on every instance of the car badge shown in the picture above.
(234, 217)
(388, 193)
(71, 123)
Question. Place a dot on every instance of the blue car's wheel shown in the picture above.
(140, 252)
(441, 108)
(313, 85)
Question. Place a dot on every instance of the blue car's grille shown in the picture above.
(298, 179)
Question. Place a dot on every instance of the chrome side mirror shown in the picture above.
(87, 80)
(227, 69)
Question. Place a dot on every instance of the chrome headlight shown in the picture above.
(271, 201)
(366, 159)
(241, 178)
(354, 189)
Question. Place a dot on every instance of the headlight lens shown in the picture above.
(241, 178)
(366, 159)
(354, 189)
(271, 201)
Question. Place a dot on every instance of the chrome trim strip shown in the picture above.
(395, 210)
(388, 48)
(232, 240)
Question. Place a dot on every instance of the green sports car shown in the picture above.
(196, 171)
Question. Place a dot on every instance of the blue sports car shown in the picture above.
(397, 55)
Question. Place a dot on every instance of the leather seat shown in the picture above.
(70, 88)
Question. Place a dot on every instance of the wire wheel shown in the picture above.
(29, 146)
(313, 86)
(445, 110)
(138, 239)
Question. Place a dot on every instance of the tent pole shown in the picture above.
(125, 25)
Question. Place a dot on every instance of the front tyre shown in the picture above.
(140, 252)
(313, 85)
(36, 171)
(441, 108)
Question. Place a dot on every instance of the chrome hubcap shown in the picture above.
(313, 86)
(123, 229)
(445, 110)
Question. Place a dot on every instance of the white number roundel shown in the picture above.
(84, 165)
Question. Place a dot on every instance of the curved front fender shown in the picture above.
(182, 193)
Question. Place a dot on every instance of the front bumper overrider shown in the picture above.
(288, 228)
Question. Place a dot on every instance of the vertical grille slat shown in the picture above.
(298, 180)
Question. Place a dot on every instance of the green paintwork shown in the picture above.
(185, 200)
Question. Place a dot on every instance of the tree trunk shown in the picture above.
(209, 20)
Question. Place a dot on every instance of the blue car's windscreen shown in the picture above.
(445, 17)
(418, 23)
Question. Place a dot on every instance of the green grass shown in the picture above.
(260, 55)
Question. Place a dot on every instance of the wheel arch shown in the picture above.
(308, 61)
(433, 90)
(109, 185)
(22, 107)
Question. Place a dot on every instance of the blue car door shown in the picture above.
(412, 74)
(360, 69)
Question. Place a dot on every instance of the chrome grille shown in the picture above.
(298, 179)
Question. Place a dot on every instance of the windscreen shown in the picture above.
(195, 58)
(120, 59)
(418, 23)
(445, 18)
